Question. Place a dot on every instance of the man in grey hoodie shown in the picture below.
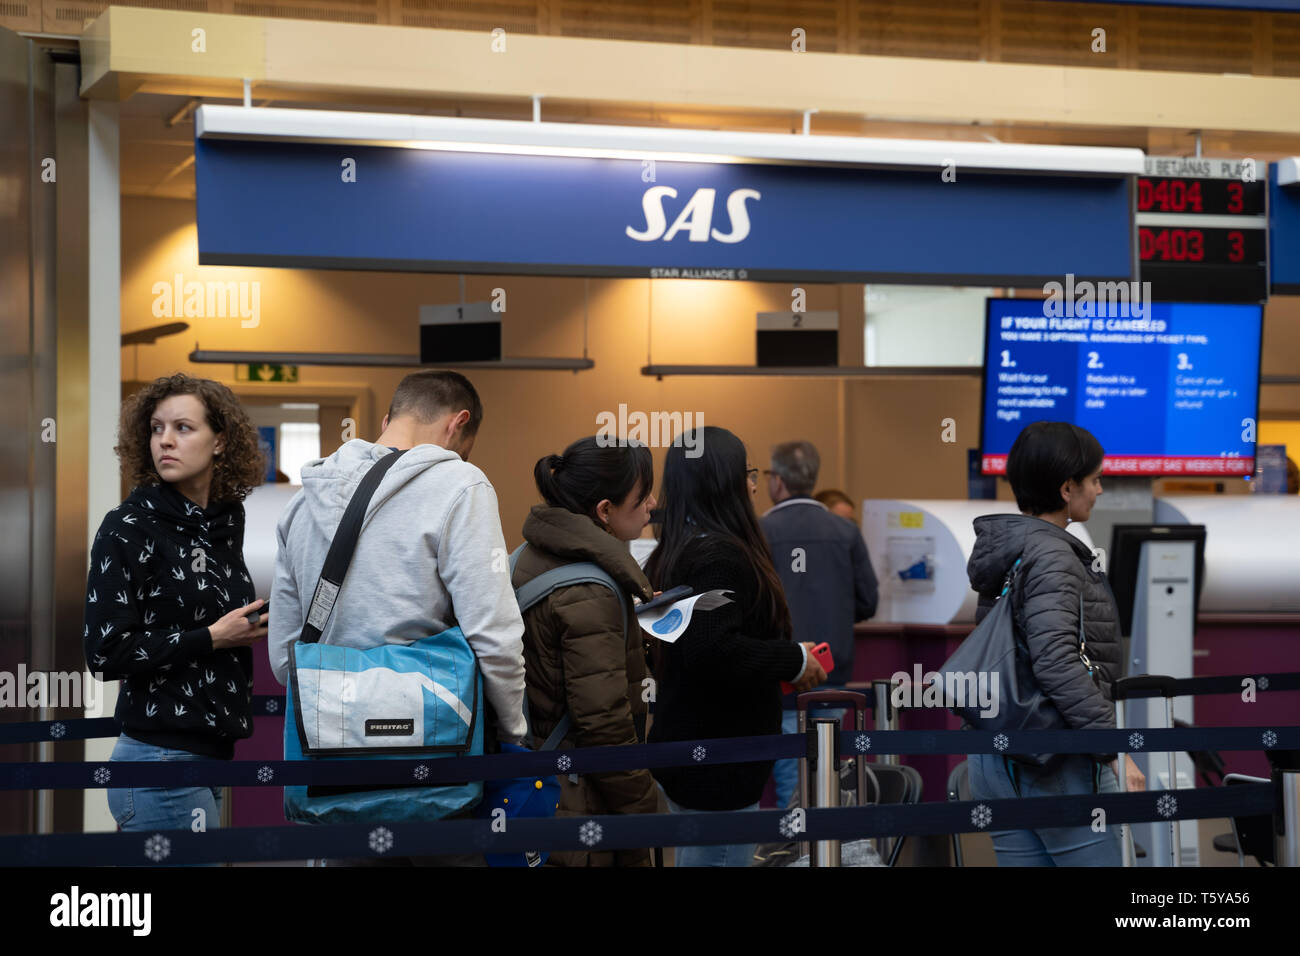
(431, 553)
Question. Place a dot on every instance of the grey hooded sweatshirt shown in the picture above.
(1056, 568)
(431, 555)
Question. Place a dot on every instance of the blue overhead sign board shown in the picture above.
(1283, 234)
(301, 205)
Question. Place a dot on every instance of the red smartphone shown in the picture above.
(823, 654)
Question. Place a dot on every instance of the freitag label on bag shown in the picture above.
(390, 728)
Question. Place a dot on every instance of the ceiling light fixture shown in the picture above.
(635, 142)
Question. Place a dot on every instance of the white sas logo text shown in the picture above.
(696, 218)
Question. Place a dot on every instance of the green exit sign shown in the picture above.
(268, 373)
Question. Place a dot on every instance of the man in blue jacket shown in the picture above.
(824, 566)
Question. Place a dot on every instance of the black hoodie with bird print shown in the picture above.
(162, 570)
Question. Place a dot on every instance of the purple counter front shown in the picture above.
(256, 806)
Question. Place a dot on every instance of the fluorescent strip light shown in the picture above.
(633, 142)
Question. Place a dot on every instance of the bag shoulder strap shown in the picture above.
(1011, 577)
(579, 572)
(1083, 644)
(341, 548)
(534, 591)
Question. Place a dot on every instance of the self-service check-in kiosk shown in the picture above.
(1155, 573)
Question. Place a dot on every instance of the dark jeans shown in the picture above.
(991, 779)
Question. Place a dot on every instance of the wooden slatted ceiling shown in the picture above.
(667, 21)
(522, 16)
(1059, 33)
(20, 14)
(354, 11)
(1205, 41)
(945, 29)
(1285, 46)
(769, 25)
(62, 16)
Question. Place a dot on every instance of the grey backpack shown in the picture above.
(580, 572)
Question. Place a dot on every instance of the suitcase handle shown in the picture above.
(1121, 689)
(859, 704)
(857, 701)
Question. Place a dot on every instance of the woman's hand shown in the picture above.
(1135, 780)
(813, 673)
(233, 629)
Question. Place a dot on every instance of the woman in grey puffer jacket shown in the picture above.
(1055, 472)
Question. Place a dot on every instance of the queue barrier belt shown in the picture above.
(611, 832)
(90, 728)
(270, 705)
(448, 770)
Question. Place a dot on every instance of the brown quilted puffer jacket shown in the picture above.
(581, 656)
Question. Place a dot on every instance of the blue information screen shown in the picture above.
(1167, 388)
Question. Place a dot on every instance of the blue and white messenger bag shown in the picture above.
(392, 701)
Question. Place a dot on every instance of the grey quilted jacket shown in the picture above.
(1055, 567)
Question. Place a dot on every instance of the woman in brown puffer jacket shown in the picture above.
(582, 655)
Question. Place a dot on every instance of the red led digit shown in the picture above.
(1235, 197)
(1236, 246)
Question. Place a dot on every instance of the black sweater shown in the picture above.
(162, 570)
(721, 678)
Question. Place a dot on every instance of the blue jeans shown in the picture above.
(161, 808)
(1057, 846)
(736, 854)
(785, 773)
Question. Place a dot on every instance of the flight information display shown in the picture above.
(1202, 229)
(1173, 390)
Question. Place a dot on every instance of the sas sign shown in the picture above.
(696, 218)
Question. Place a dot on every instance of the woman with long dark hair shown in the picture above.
(722, 677)
(168, 598)
(1055, 472)
(583, 652)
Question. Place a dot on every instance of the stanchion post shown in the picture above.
(886, 719)
(886, 716)
(827, 852)
(805, 762)
(1175, 829)
(1286, 845)
(1125, 835)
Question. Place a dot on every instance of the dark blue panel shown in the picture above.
(424, 210)
(1283, 235)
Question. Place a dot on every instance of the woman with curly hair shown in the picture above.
(169, 600)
